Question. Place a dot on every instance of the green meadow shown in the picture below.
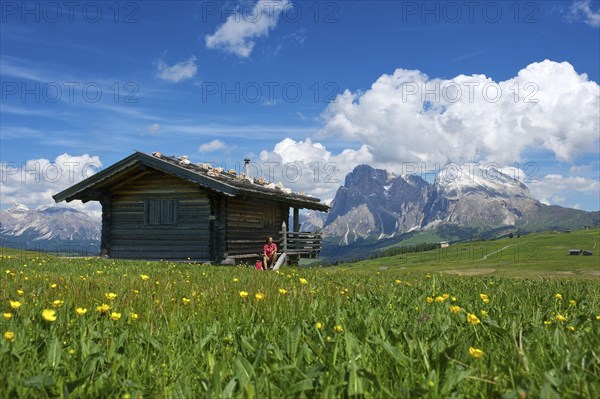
(533, 255)
(523, 322)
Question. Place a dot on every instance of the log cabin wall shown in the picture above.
(218, 227)
(249, 222)
(157, 216)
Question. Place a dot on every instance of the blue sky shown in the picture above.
(324, 85)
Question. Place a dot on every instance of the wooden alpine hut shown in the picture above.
(162, 207)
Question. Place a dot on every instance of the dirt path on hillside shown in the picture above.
(495, 252)
(469, 272)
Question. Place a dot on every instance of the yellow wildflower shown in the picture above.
(15, 304)
(455, 309)
(283, 291)
(259, 296)
(338, 328)
(58, 303)
(558, 296)
(9, 336)
(235, 280)
(243, 294)
(115, 316)
(49, 315)
(398, 281)
(484, 298)
(303, 281)
(53, 286)
(547, 322)
(144, 277)
(475, 353)
(7, 315)
(572, 302)
(429, 299)
(110, 296)
(185, 301)
(571, 328)
(80, 311)
(439, 299)
(484, 313)
(20, 292)
(103, 308)
(319, 325)
(134, 316)
(445, 296)
(473, 319)
(560, 318)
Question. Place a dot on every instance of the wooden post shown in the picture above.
(213, 235)
(296, 220)
(284, 233)
(106, 226)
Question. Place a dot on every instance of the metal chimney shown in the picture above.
(246, 164)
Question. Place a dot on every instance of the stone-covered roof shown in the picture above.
(229, 183)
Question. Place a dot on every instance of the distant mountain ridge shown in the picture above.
(374, 204)
(55, 229)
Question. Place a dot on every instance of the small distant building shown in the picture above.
(587, 253)
(575, 251)
(444, 244)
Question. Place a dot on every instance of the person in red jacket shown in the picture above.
(269, 253)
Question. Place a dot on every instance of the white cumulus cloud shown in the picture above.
(179, 72)
(238, 33)
(211, 146)
(34, 182)
(565, 190)
(409, 117)
(305, 166)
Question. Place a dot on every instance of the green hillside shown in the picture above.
(529, 255)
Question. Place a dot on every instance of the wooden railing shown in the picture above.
(298, 244)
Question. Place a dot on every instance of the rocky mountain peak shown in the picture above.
(376, 204)
(367, 176)
(378, 201)
(454, 182)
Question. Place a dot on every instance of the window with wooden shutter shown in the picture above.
(160, 212)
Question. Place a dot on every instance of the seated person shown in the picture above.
(269, 254)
